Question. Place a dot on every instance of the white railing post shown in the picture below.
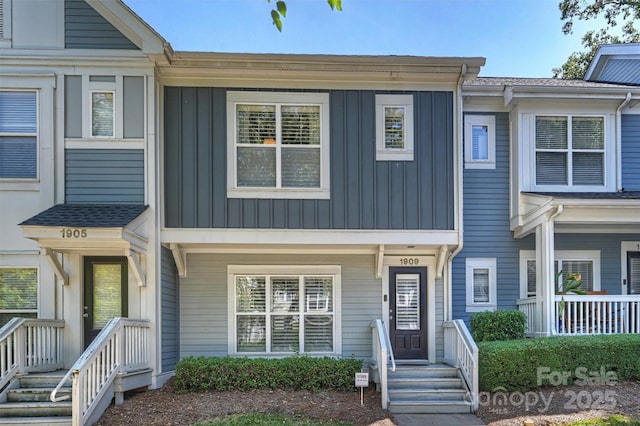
(462, 352)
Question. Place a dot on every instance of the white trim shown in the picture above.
(488, 121)
(335, 271)
(472, 263)
(626, 246)
(559, 256)
(395, 154)
(97, 143)
(278, 98)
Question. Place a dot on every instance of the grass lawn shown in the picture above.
(614, 420)
(266, 419)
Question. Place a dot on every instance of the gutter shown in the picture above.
(458, 185)
(619, 142)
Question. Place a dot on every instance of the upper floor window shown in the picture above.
(278, 145)
(394, 127)
(570, 151)
(103, 90)
(18, 134)
(480, 142)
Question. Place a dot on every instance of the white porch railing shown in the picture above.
(382, 356)
(120, 348)
(528, 307)
(28, 345)
(597, 314)
(461, 351)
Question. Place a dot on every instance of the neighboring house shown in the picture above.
(552, 183)
(270, 205)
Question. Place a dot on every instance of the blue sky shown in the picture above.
(519, 38)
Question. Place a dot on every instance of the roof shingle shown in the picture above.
(87, 215)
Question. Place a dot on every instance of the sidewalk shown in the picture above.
(436, 420)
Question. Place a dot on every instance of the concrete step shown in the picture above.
(418, 383)
(40, 421)
(35, 409)
(43, 380)
(429, 407)
(34, 394)
(428, 395)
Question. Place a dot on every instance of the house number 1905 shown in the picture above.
(73, 233)
(409, 261)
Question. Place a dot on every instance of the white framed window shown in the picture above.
(18, 293)
(278, 145)
(18, 134)
(102, 106)
(569, 153)
(481, 284)
(283, 310)
(583, 262)
(480, 142)
(394, 127)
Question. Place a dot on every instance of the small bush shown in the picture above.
(295, 373)
(498, 325)
(513, 365)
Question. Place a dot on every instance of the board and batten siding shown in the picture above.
(365, 193)
(169, 312)
(203, 300)
(631, 152)
(104, 176)
(487, 232)
(85, 28)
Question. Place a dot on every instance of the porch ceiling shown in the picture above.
(580, 212)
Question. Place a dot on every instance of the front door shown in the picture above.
(633, 272)
(408, 312)
(105, 293)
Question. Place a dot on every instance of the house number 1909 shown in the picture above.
(409, 261)
(73, 233)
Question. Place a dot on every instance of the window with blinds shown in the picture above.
(102, 114)
(407, 301)
(570, 150)
(480, 141)
(586, 263)
(284, 314)
(394, 127)
(18, 293)
(279, 144)
(481, 284)
(18, 134)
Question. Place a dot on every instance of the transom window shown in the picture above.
(18, 293)
(278, 145)
(18, 134)
(284, 313)
(570, 151)
(394, 127)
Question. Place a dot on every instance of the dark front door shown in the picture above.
(105, 293)
(407, 312)
(633, 272)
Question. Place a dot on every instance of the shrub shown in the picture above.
(295, 373)
(513, 365)
(498, 325)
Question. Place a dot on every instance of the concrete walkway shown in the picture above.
(437, 420)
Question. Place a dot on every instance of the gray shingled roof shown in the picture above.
(87, 215)
(540, 82)
(622, 195)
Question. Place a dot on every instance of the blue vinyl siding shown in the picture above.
(169, 311)
(631, 152)
(104, 176)
(84, 28)
(486, 227)
(365, 193)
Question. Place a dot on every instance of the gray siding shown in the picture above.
(133, 108)
(104, 176)
(73, 106)
(86, 29)
(365, 193)
(203, 300)
(169, 312)
(439, 318)
(486, 227)
(631, 152)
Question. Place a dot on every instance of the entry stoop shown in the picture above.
(419, 388)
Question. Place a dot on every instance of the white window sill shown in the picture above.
(394, 155)
(104, 143)
(303, 194)
(481, 308)
(19, 185)
(480, 165)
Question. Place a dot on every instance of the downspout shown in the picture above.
(619, 141)
(458, 185)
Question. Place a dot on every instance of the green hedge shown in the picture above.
(295, 373)
(513, 365)
(498, 325)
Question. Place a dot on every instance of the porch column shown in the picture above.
(545, 288)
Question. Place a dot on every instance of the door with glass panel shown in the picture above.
(105, 293)
(633, 272)
(407, 312)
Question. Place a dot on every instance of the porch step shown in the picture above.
(40, 421)
(35, 394)
(43, 380)
(418, 388)
(35, 409)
